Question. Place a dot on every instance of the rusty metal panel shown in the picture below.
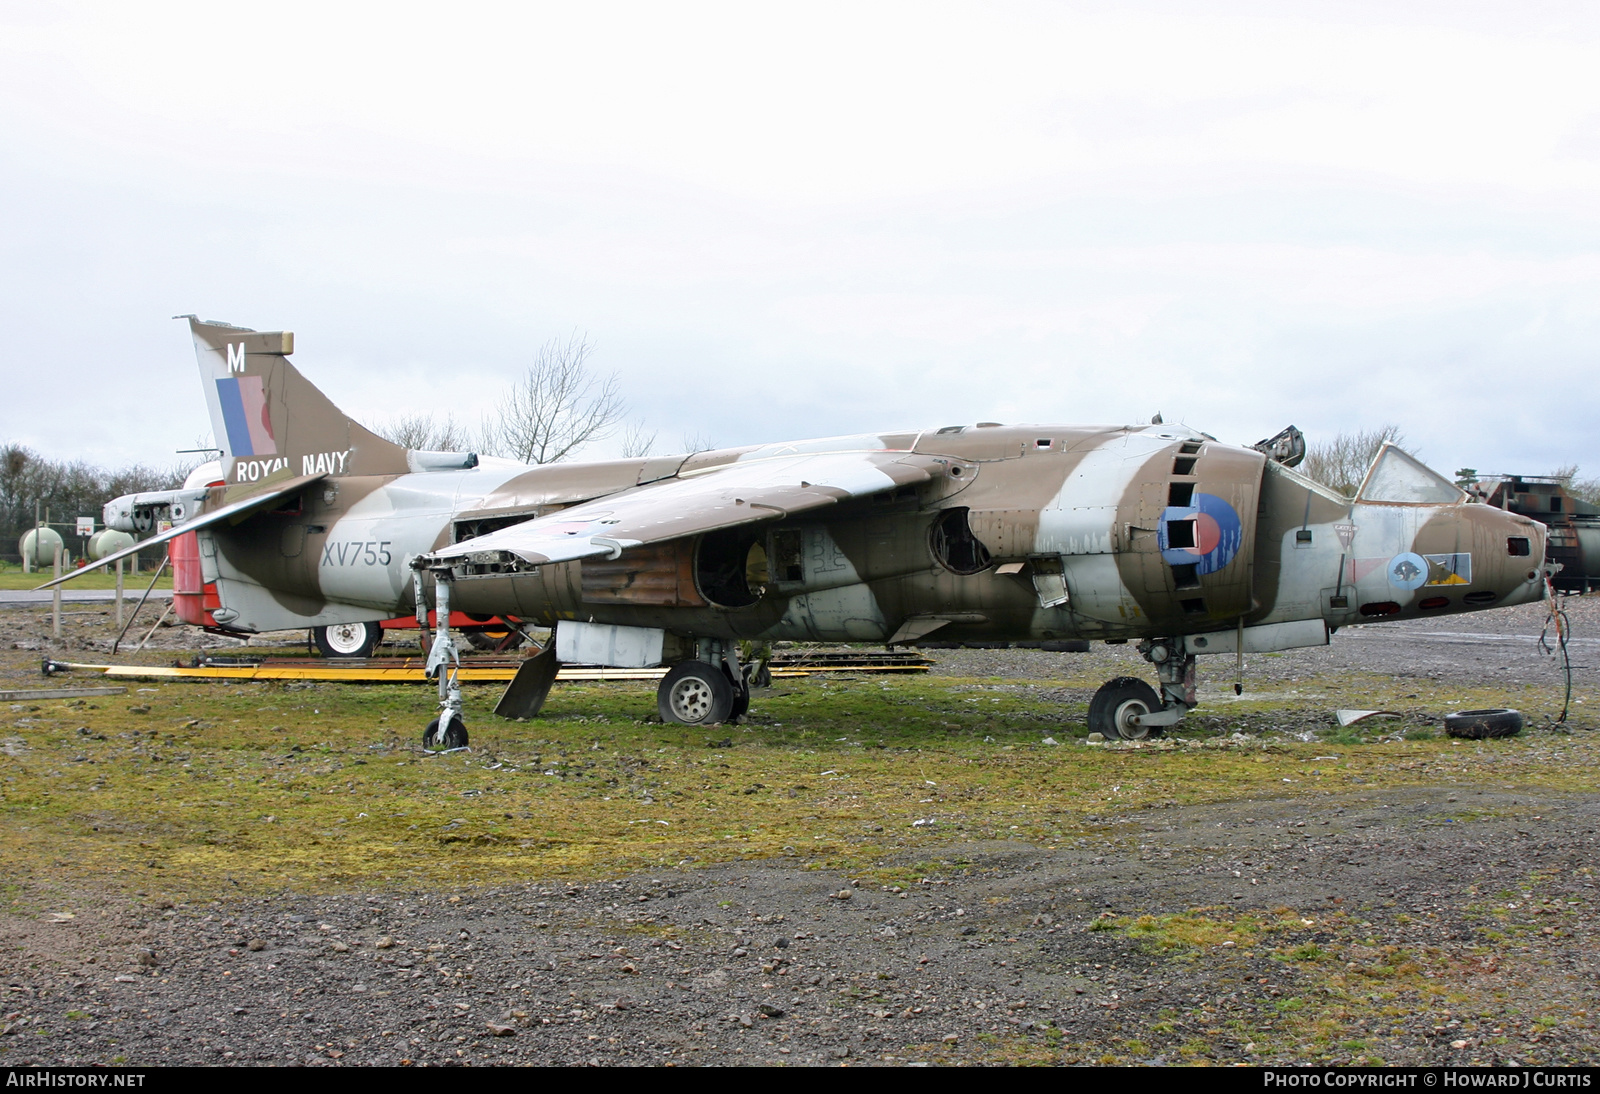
(660, 575)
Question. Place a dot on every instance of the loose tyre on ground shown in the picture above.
(1117, 703)
(695, 693)
(1476, 725)
(347, 639)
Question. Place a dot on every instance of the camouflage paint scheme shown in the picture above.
(978, 533)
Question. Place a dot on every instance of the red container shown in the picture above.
(192, 598)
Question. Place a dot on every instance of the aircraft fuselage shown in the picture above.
(1038, 532)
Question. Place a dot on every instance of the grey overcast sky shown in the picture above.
(790, 220)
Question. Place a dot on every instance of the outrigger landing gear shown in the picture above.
(448, 730)
(1127, 708)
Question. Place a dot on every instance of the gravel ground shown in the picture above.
(1442, 924)
(767, 964)
(1495, 648)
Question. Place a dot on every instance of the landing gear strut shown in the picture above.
(1129, 709)
(449, 729)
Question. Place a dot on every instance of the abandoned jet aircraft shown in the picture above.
(1149, 533)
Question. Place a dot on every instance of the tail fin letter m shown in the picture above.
(235, 357)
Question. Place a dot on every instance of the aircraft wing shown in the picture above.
(234, 511)
(723, 496)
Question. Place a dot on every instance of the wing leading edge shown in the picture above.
(234, 511)
(724, 496)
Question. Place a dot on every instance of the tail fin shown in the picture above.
(271, 421)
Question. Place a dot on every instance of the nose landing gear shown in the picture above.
(1129, 709)
(449, 729)
(1117, 710)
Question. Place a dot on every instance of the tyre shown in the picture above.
(1118, 702)
(1476, 725)
(494, 639)
(347, 639)
(454, 735)
(695, 693)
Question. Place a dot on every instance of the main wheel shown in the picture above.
(695, 693)
(347, 639)
(454, 735)
(1117, 703)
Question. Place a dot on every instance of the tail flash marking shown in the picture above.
(244, 413)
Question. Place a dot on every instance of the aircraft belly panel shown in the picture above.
(846, 614)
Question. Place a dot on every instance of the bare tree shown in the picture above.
(424, 432)
(1583, 489)
(556, 407)
(1342, 462)
(32, 483)
(695, 441)
(635, 441)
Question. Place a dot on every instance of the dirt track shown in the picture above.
(1428, 924)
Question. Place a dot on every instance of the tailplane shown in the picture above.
(270, 421)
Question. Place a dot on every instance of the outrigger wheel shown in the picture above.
(452, 735)
(1117, 703)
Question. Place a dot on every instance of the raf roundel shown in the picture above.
(1206, 534)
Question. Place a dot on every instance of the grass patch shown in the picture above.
(198, 789)
(12, 577)
(1186, 935)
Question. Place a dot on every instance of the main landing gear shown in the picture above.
(347, 639)
(1129, 709)
(710, 689)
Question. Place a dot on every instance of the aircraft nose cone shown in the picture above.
(1514, 568)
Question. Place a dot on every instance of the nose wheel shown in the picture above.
(1116, 707)
(1128, 709)
(445, 732)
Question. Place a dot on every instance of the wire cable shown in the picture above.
(1557, 618)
